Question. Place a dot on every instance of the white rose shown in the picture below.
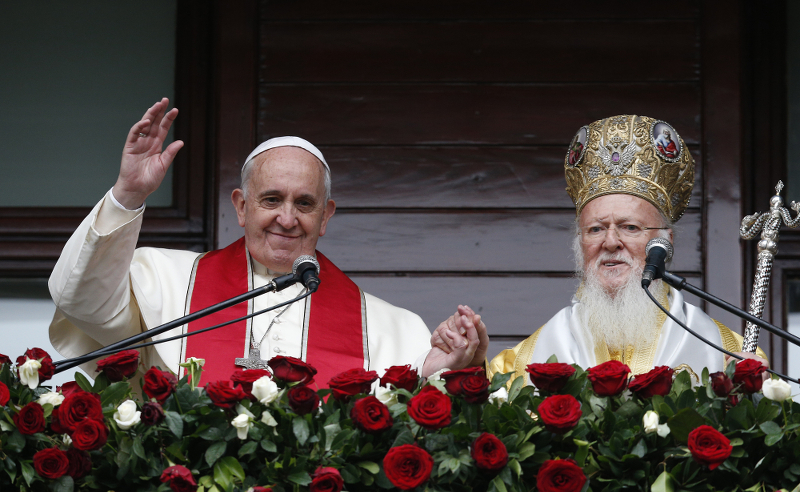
(52, 398)
(500, 396)
(195, 360)
(663, 430)
(650, 422)
(29, 373)
(242, 423)
(777, 389)
(265, 390)
(126, 415)
(385, 396)
(268, 419)
(437, 375)
(66, 439)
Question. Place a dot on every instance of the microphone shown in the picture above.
(658, 251)
(306, 270)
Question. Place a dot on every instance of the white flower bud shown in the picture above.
(66, 439)
(29, 373)
(385, 396)
(242, 422)
(650, 422)
(195, 360)
(265, 390)
(663, 430)
(52, 398)
(126, 415)
(500, 396)
(268, 419)
(777, 389)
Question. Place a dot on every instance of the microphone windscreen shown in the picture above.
(305, 259)
(659, 242)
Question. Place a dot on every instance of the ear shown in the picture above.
(330, 209)
(237, 197)
(671, 239)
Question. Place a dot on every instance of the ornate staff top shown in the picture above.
(768, 223)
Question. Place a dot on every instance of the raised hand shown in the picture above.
(144, 164)
(458, 342)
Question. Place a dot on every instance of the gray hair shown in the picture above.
(247, 171)
(577, 251)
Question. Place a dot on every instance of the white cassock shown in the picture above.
(106, 290)
(565, 337)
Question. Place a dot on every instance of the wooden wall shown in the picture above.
(446, 125)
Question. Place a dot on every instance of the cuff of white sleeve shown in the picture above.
(119, 205)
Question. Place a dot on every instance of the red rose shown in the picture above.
(291, 370)
(78, 407)
(452, 379)
(4, 359)
(89, 434)
(120, 365)
(30, 419)
(224, 394)
(302, 399)
(401, 377)
(609, 378)
(152, 413)
(159, 384)
(430, 408)
(55, 422)
(475, 389)
(407, 466)
(371, 415)
(352, 382)
(245, 379)
(489, 452)
(80, 464)
(560, 413)
(259, 488)
(709, 446)
(180, 479)
(69, 388)
(550, 377)
(721, 384)
(748, 374)
(5, 395)
(560, 476)
(326, 479)
(48, 368)
(656, 382)
(51, 463)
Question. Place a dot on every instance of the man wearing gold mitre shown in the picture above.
(628, 188)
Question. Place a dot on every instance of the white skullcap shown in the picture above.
(287, 142)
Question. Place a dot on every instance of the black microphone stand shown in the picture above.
(277, 284)
(680, 283)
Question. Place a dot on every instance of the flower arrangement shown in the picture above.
(573, 430)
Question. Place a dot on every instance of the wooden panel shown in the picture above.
(478, 51)
(455, 177)
(511, 307)
(474, 241)
(305, 10)
(463, 114)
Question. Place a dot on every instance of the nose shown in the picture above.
(287, 216)
(612, 241)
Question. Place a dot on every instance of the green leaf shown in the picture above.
(27, 470)
(370, 466)
(174, 422)
(640, 449)
(248, 448)
(300, 428)
(770, 427)
(222, 476)
(516, 387)
(114, 393)
(404, 437)
(331, 431)
(767, 410)
(497, 484)
(499, 380)
(581, 453)
(233, 466)
(175, 450)
(269, 446)
(16, 441)
(664, 483)
(138, 449)
(83, 382)
(514, 465)
(684, 422)
(772, 439)
(215, 452)
(526, 450)
(300, 478)
(63, 484)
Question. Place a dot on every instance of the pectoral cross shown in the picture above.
(254, 361)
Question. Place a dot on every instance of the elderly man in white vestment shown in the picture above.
(626, 191)
(105, 289)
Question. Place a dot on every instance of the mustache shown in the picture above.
(621, 257)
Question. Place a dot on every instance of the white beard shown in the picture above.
(624, 316)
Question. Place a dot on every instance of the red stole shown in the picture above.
(334, 328)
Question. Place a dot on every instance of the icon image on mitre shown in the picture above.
(666, 141)
(577, 146)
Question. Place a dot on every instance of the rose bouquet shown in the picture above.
(261, 430)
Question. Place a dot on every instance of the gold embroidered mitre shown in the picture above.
(630, 154)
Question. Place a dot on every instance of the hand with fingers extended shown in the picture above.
(144, 164)
(458, 342)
